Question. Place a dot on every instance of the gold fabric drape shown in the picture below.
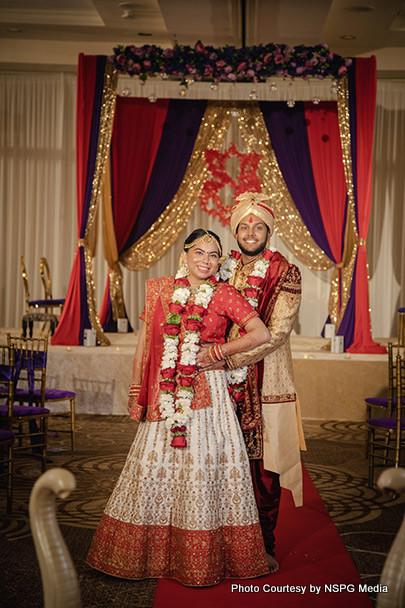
(88, 242)
(110, 248)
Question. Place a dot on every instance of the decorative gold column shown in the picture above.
(351, 235)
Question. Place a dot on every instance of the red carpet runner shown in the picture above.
(316, 571)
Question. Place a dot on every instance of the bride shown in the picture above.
(183, 506)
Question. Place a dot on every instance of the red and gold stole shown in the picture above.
(251, 415)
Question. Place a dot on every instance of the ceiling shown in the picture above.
(49, 34)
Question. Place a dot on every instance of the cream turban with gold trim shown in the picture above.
(252, 202)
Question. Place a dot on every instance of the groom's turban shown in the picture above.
(251, 202)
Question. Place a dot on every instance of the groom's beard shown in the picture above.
(253, 253)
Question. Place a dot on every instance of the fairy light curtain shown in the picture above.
(95, 109)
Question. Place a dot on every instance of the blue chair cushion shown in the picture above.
(385, 423)
(23, 410)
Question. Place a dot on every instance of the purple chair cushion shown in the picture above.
(50, 393)
(6, 435)
(382, 401)
(386, 423)
(401, 309)
(23, 410)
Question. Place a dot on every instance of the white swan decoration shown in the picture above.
(393, 574)
(59, 579)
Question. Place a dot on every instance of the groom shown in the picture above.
(269, 411)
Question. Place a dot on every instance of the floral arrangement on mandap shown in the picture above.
(229, 64)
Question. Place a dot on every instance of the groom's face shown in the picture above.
(252, 235)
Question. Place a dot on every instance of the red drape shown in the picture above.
(366, 83)
(327, 166)
(68, 329)
(135, 141)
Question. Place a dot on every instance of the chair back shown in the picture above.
(30, 363)
(7, 362)
(46, 277)
(25, 281)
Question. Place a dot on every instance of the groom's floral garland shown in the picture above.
(237, 377)
(178, 377)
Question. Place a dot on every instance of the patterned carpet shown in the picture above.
(366, 520)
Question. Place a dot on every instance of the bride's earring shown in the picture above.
(184, 269)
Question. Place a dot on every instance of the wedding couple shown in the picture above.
(219, 428)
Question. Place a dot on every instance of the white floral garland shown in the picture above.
(169, 403)
(239, 375)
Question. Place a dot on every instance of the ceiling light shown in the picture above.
(144, 34)
(13, 30)
(152, 98)
(290, 103)
(348, 37)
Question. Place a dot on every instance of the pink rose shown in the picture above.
(147, 64)
(342, 70)
(231, 77)
(208, 70)
(200, 48)
(267, 58)
(278, 59)
(220, 63)
(242, 66)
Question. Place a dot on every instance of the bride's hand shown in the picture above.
(202, 357)
(204, 363)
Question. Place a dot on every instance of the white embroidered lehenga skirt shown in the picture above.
(190, 513)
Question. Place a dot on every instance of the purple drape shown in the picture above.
(178, 138)
(288, 136)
